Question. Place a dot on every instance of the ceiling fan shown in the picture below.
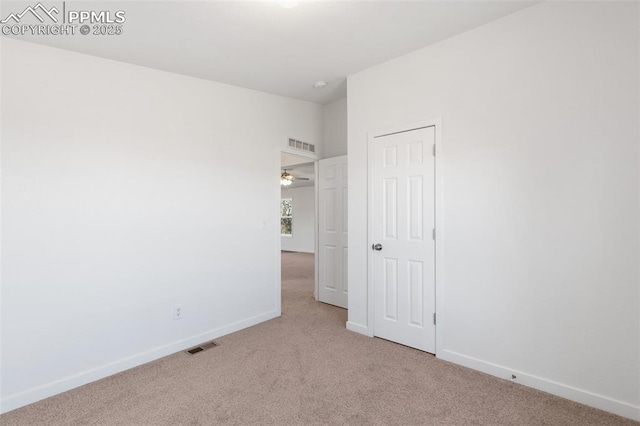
(287, 178)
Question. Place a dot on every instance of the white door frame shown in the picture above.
(439, 260)
(316, 234)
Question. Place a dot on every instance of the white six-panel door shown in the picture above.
(332, 231)
(403, 222)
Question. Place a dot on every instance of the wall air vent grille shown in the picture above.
(303, 146)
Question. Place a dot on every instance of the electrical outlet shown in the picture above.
(177, 312)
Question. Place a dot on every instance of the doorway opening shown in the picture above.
(298, 206)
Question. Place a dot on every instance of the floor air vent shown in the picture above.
(202, 347)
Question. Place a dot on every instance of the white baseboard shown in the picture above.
(620, 408)
(30, 396)
(352, 326)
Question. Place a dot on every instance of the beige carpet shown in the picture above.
(305, 368)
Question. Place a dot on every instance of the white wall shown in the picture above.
(335, 128)
(540, 194)
(118, 203)
(302, 238)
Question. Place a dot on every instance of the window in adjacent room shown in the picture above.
(286, 216)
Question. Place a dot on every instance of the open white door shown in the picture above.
(332, 231)
(403, 246)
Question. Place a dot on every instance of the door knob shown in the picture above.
(376, 247)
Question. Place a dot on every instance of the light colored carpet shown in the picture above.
(305, 368)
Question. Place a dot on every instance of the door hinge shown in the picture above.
(433, 233)
(434, 318)
(434, 150)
